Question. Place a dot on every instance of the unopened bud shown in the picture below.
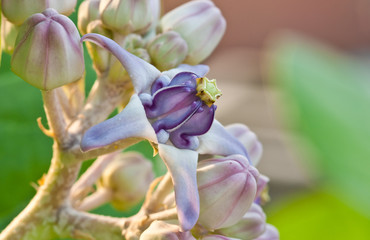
(48, 52)
(9, 33)
(17, 11)
(128, 16)
(217, 237)
(271, 233)
(200, 23)
(128, 176)
(227, 189)
(167, 50)
(252, 225)
(248, 139)
(87, 12)
(135, 45)
(160, 230)
(101, 57)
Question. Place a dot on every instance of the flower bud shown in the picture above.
(17, 11)
(128, 176)
(167, 50)
(248, 139)
(88, 12)
(9, 33)
(217, 237)
(48, 52)
(160, 230)
(135, 45)
(200, 23)
(101, 57)
(128, 16)
(227, 188)
(249, 227)
(271, 233)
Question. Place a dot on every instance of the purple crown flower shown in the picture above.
(174, 110)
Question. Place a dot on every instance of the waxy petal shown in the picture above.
(182, 165)
(199, 123)
(201, 70)
(271, 233)
(130, 123)
(142, 73)
(248, 139)
(218, 141)
(170, 99)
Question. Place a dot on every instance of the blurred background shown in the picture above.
(297, 72)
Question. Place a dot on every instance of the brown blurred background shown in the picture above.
(248, 98)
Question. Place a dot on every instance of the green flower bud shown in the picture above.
(48, 51)
(200, 23)
(128, 16)
(101, 57)
(9, 33)
(167, 50)
(128, 176)
(17, 11)
(135, 45)
(88, 12)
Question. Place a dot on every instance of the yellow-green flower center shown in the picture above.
(207, 90)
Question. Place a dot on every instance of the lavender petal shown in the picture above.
(130, 123)
(182, 165)
(142, 73)
(201, 70)
(198, 124)
(218, 141)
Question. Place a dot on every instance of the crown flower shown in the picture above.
(166, 110)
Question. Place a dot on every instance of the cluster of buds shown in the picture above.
(170, 104)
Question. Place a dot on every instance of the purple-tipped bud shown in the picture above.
(9, 33)
(217, 237)
(200, 23)
(248, 139)
(160, 230)
(271, 233)
(128, 176)
(17, 11)
(128, 16)
(48, 51)
(252, 225)
(87, 12)
(227, 189)
(167, 50)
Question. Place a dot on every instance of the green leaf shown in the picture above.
(319, 216)
(327, 100)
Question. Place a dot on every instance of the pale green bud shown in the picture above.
(167, 50)
(160, 230)
(135, 45)
(128, 176)
(9, 33)
(200, 23)
(227, 188)
(87, 12)
(48, 52)
(101, 57)
(17, 11)
(129, 16)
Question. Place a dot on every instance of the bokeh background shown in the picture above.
(297, 72)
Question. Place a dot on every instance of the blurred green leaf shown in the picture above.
(24, 151)
(327, 95)
(319, 216)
